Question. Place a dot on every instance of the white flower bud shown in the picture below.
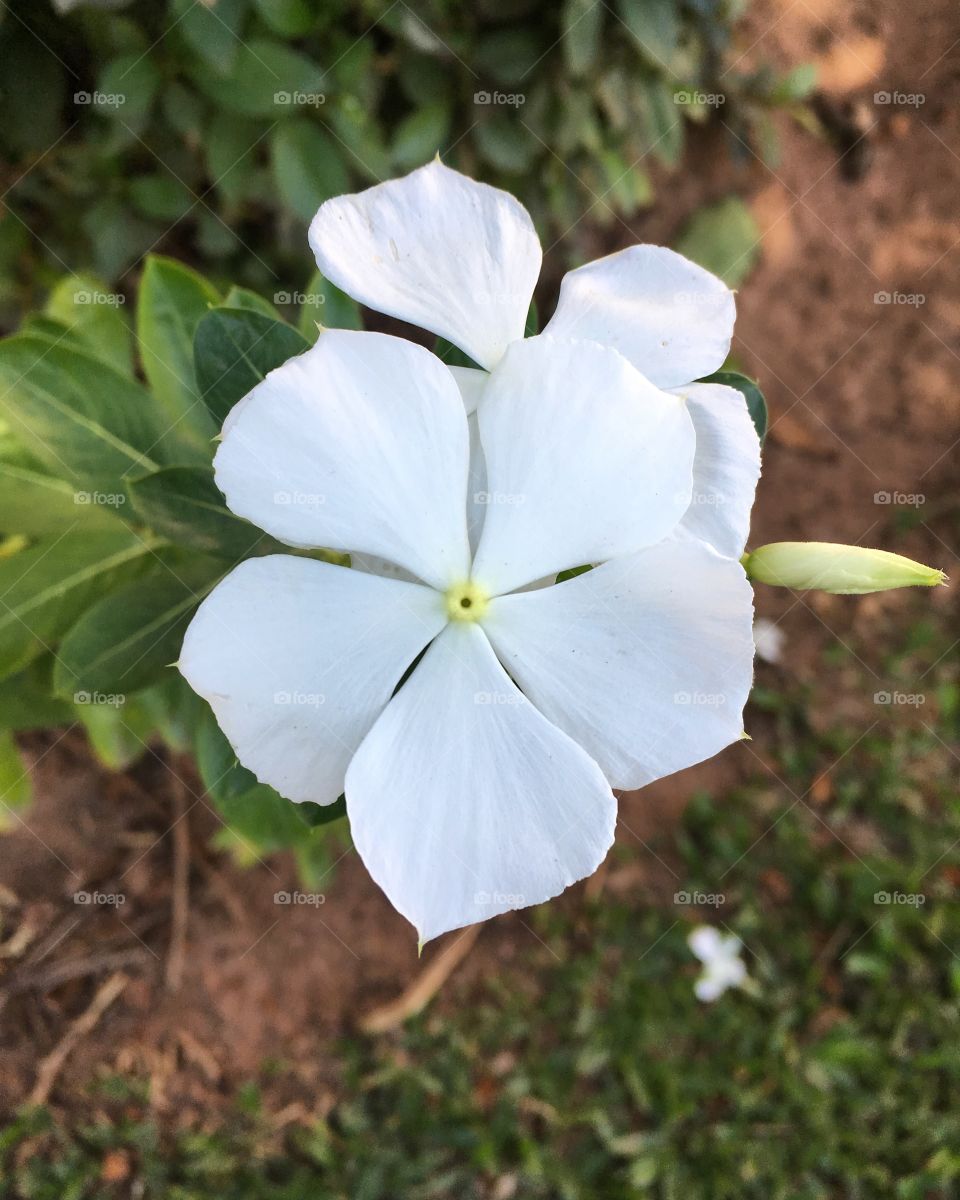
(830, 567)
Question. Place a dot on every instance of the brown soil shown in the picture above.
(863, 400)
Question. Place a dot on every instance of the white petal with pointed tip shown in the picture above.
(298, 658)
(465, 802)
(585, 461)
(672, 319)
(359, 444)
(646, 661)
(726, 467)
(437, 249)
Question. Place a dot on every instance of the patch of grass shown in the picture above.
(590, 1070)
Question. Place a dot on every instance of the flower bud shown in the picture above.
(845, 570)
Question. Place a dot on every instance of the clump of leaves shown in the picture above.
(218, 128)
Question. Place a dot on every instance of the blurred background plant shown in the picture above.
(212, 130)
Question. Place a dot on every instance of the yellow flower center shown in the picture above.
(466, 601)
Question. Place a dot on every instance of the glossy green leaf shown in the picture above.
(308, 165)
(80, 418)
(128, 639)
(186, 506)
(172, 301)
(756, 404)
(47, 587)
(96, 317)
(119, 734)
(234, 349)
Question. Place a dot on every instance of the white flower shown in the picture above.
(722, 965)
(484, 783)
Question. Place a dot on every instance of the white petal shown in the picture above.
(586, 460)
(471, 383)
(705, 942)
(359, 444)
(646, 661)
(709, 987)
(437, 249)
(671, 318)
(726, 467)
(477, 495)
(298, 658)
(465, 802)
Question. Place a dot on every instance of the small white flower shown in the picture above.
(769, 640)
(579, 452)
(722, 965)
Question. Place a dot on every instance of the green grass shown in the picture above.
(588, 1069)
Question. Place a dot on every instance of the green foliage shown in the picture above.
(115, 528)
(213, 131)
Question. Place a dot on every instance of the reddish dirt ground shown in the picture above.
(863, 400)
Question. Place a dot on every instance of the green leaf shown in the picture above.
(128, 85)
(263, 81)
(420, 136)
(232, 147)
(161, 195)
(316, 815)
(581, 23)
(80, 418)
(34, 503)
(128, 640)
(27, 700)
(119, 733)
(655, 27)
(212, 29)
(795, 85)
(16, 790)
(184, 505)
(234, 349)
(288, 18)
(505, 143)
(307, 166)
(756, 404)
(508, 55)
(221, 774)
(323, 303)
(94, 316)
(724, 238)
(239, 297)
(171, 303)
(46, 587)
(262, 818)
